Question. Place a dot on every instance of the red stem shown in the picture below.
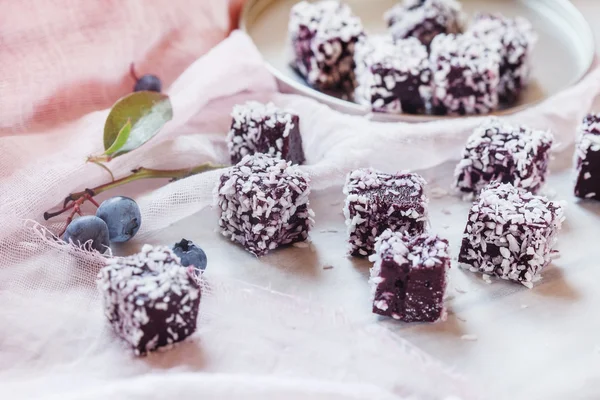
(75, 205)
(132, 72)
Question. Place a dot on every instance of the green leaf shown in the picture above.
(147, 112)
(120, 140)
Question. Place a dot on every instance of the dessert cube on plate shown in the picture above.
(424, 19)
(497, 151)
(150, 299)
(263, 203)
(264, 128)
(408, 279)
(510, 233)
(587, 158)
(465, 75)
(376, 201)
(323, 35)
(392, 76)
(515, 40)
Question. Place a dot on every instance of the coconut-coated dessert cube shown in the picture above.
(150, 299)
(392, 76)
(465, 75)
(264, 128)
(408, 278)
(323, 35)
(498, 151)
(515, 40)
(424, 19)
(376, 201)
(510, 233)
(263, 203)
(587, 158)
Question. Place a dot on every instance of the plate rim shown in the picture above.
(352, 108)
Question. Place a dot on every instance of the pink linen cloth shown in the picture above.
(61, 59)
(53, 339)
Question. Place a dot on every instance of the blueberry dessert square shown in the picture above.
(497, 151)
(515, 39)
(587, 158)
(264, 128)
(263, 203)
(323, 35)
(510, 233)
(408, 278)
(376, 201)
(392, 76)
(465, 75)
(150, 300)
(425, 19)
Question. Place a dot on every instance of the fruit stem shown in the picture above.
(77, 198)
(132, 72)
(75, 205)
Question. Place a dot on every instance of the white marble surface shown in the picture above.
(542, 343)
(530, 344)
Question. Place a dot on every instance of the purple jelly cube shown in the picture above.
(497, 151)
(376, 201)
(465, 75)
(424, 19)
(515, 39)
(587, 156)
(150, 299)
(392, 76)
(323, 35)
(510, 233)
(263, 203)
(264, 128)
(408, 278)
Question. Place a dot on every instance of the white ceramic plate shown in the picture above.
(563, 55)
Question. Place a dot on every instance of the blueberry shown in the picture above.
(86, 228)
(122, 216)
(190, 254)
(148, 82)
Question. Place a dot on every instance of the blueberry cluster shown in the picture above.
(117, 220)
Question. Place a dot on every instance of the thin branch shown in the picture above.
(77, 198)
(132, 72)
